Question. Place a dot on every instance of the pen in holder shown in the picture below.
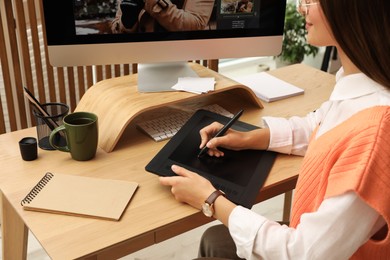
(55, 113)
(48, 117)
(40, 109)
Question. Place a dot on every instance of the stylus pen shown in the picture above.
(222, 131)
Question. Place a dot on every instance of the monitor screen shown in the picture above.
(98, 32)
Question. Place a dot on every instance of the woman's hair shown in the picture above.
(362, 30)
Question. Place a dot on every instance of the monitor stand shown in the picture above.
(159, 77)
(117, 102)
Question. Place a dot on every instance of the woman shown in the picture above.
(340, 207)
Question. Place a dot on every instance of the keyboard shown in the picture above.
(165, 127)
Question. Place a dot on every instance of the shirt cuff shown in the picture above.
(244, 225)
(281, 138)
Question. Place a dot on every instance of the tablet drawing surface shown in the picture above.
(240, 174)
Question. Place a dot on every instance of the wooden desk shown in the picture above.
(153, 215)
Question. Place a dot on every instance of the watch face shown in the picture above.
(207, 210)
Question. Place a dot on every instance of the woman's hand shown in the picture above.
(188, 187)
(193, 189)
(232, 140)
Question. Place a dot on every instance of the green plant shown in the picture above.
(295, 45)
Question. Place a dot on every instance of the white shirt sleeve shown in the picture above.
(292, 136)
(259, 238)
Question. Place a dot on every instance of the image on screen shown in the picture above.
(133, 16)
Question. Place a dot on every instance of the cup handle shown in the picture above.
(52, 136)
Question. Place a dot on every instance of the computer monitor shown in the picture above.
(161, 32)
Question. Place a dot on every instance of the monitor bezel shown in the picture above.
(68, 49)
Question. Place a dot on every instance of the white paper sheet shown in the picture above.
(268, 87)
(195, 85)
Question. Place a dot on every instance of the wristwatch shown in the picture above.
(208, 205)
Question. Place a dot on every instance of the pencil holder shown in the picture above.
(45, 124)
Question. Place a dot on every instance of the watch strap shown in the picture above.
(211, 199)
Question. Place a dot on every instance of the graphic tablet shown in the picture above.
(240, 174)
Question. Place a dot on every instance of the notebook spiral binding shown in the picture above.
(37, 188)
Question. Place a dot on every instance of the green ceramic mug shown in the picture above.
(81, 130)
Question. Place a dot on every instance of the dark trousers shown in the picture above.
(217, 244)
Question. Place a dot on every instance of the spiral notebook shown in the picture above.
(80, 196)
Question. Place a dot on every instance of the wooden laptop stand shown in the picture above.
(117, 102)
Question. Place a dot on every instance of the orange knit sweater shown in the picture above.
(354, 155)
